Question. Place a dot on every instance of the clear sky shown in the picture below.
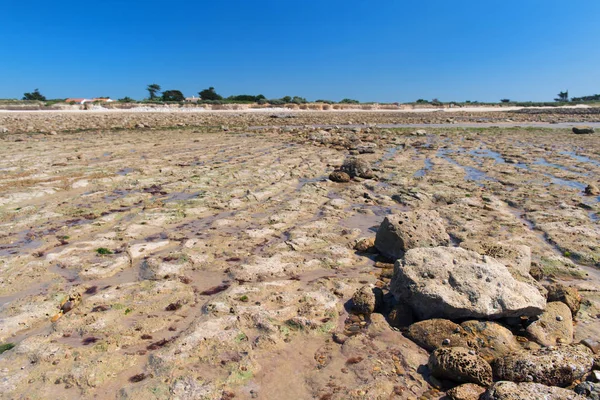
(370, 50)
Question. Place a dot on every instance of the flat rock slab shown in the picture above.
(454, 283)
(528, 391)
(550, 366)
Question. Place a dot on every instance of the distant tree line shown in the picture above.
(210, 96)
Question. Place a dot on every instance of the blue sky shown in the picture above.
(377, 50)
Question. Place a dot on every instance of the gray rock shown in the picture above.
(550, 366)
(401, 232)
(590, 390)
(459, 364)
(516, 257)
(528, 391)
(554, 326)
(583, 130)
(3, 129)
(367, 300)
(355, 166)
(454, 283)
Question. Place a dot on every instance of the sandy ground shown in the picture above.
(217, 262)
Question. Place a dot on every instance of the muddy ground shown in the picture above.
(216, 261)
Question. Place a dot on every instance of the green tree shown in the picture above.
(563, 96)
(153, 89)
(210, 94)
(35, 95)
(505, 100)
(286, 99)
(126, 99)
(172, 95)
(349, 101)
(299, 100)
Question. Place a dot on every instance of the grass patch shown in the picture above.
(6, 346)
(103, 251)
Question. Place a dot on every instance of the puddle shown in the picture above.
(471, 174)
(543, 162)
(390, 153)
(369, 223)
(577, 157)
(423, 171)
(24, 243)
(182, 196)
(125, 171)
(487, 153)
(566, 182)
(303, 181)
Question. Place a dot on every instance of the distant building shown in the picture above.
(77, 100)
(192, 99)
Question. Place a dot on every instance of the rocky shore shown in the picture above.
(307, 255)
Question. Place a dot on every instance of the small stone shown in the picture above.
(339, 176)
(367, 300)
(592, 190)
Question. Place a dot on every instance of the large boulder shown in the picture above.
(516, 257)
(461, 365)
(528, 391)
(550, 366)
(454, 283)
(401, 232)
(355, 166)
(554, 326)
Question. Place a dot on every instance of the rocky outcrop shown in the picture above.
(554, 326)
(401, 232)
(550, 366)
(516, 257)
(454, 283)
(528, 391)
(355, 166)
(459, 364)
